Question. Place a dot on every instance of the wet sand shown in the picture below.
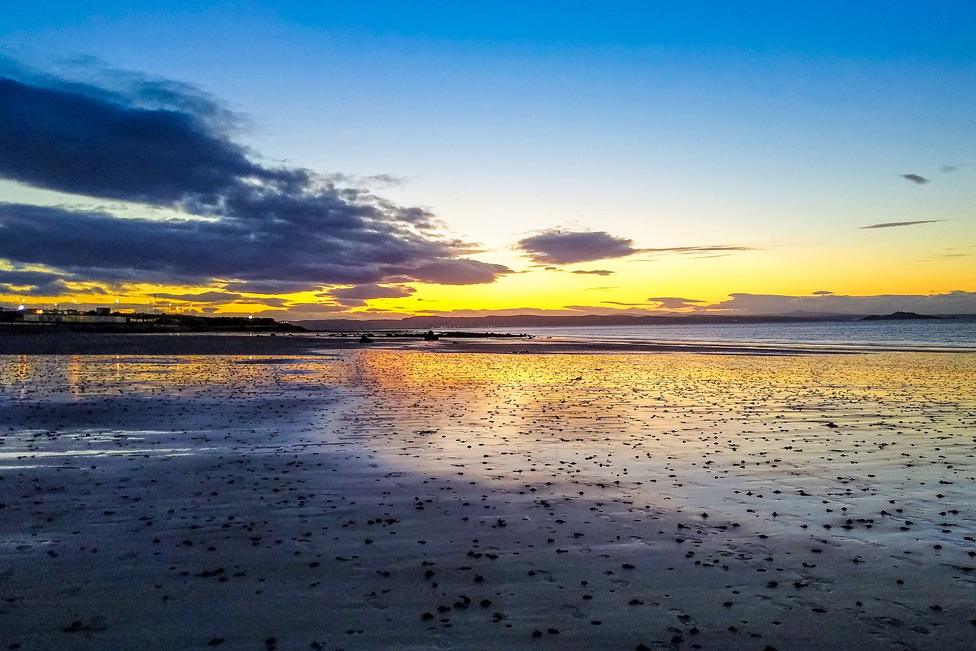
(74, 343)
(362, 499)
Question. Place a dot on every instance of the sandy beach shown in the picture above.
(485, 326)
(75, 343)
(338, 498)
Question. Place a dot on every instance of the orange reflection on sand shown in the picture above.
(678, 377)
(707, 419)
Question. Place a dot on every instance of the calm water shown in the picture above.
(950, 333)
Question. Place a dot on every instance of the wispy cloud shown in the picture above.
(951, 252)
(384, 180)
(593, 272)
(579, 272)
(674, 302)
(954, 302)
(915, 178)
(660, 303)
(697, 250)
(899, 224)
(740, 303)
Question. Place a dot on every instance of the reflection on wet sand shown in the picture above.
(381, 497)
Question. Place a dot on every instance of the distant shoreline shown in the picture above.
(595, 320)
(73, 343)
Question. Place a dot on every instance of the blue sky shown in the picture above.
(771, 125)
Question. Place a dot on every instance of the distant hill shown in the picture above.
(900, 316)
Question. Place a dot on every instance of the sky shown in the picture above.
(374, 159)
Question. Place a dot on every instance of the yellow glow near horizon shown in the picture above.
(797, 271)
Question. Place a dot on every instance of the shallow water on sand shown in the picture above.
(377, 498)
(958, 333)
(711, 422)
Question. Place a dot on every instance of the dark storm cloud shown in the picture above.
(460, 271)
(269, 286)
(26, 278)
(286, 250)
(371, 290)
(568, 247)
(898, 224)
(202, 297)
(915, 178)
(63, 140)
(267, 301)
(30, 283)
(166, 144)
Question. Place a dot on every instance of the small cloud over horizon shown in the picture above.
(593, 272)
(674, 302)
(915, 178)
(569, 247)
(900, 224)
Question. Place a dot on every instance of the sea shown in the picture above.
(955, 334)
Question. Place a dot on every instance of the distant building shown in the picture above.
(72, 316)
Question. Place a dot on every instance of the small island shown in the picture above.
(900, 316)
